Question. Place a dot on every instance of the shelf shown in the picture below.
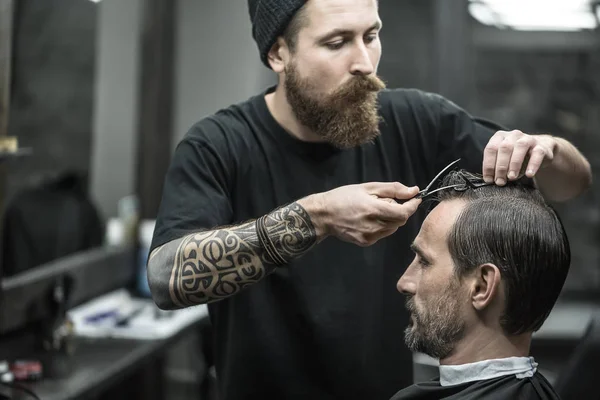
(6, 156)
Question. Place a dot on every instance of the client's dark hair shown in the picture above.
(515, 229)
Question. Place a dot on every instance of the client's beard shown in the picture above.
(437, 328)
(345, 118)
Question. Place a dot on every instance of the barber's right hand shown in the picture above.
(364, 213)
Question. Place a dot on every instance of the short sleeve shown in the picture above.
(196, 192)
(461, 135)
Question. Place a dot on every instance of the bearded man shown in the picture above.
(278, 212)
(490, 263)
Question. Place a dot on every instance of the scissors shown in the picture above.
(460, 186)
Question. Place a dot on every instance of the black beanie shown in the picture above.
(269, 20)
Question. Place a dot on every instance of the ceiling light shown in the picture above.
(538, 15)
(483, 13)
(546, 20)
(564, 4)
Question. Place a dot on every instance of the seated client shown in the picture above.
(490, 264)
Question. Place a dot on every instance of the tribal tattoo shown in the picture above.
(212, 265)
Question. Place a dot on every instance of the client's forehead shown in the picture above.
(440, 220)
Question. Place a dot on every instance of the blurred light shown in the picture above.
(483, 13)
(95, 1)
(562, 4)
(598, 12)
(539, 15)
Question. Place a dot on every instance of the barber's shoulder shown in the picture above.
(410, 98)
(225, 130)
(409, 104)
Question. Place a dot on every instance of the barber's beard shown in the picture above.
(346, 118)
(437, 327)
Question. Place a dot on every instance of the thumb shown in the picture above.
(393, 190)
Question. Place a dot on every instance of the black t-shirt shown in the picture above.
(503, 388)
(330, 324)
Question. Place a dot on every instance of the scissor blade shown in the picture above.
(425, 193)
(440, 174)
(443, 188)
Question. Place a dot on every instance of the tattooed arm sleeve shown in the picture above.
(211, 265)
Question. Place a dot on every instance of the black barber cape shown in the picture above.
(484, 380)
(505, 387)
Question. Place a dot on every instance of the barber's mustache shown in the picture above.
(359, 85)
(369, 83)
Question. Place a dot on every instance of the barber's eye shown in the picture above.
(335, 45)
(424, 263)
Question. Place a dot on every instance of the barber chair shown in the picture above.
(580, 378)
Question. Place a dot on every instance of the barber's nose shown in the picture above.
(407, 284)
(362, 62)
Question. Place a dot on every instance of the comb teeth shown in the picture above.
(471, 184)
(461, 187)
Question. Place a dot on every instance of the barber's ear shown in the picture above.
(485, 285)
(278, 55)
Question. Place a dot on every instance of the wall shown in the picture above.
(115, 103)
(407, 41)
(217, 62)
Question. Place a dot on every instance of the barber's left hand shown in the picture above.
(509, 155)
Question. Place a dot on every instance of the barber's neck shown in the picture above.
(281, 110)
(487, 343)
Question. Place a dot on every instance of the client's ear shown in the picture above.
(485, 286)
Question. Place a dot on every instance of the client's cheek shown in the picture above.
(416, 315)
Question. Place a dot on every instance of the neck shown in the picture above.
(283, 114)
(487, 344)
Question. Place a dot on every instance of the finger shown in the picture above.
(489, 156)
(505, 151)
(411, 207)
(538, 154)
(519, 154)
(392, 190)
(397, 213)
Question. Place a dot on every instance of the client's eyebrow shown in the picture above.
(418, 251)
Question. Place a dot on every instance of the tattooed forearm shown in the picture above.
(212, 265)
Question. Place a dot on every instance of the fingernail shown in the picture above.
(512, 175)
(500, 181)
(530, 172)
(488, 179)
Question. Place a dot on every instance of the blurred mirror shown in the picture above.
(48, 210)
